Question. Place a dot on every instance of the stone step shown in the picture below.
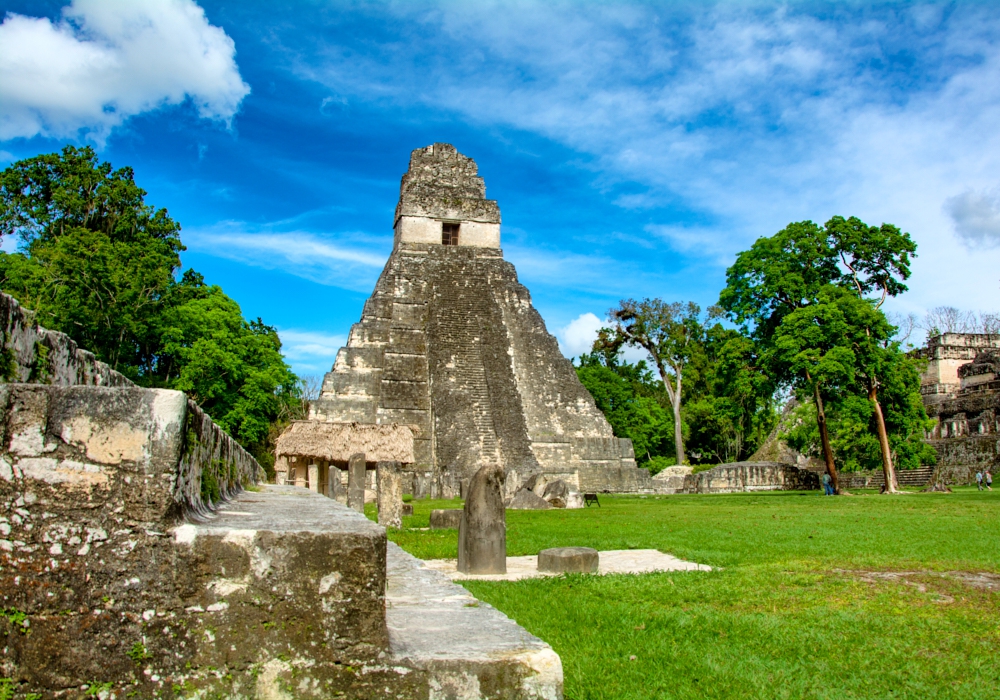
(469, 648)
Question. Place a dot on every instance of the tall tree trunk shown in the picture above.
(674, 394)
(824, 435)
(678, 433)
(891, 485)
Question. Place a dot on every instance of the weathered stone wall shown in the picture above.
(30, 353)
(959, 458)
(945, 354)
(415, 229)
(875, 478)
(103, 582)
(751, 476)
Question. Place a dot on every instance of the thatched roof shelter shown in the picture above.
(336, 442)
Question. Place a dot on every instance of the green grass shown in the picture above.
(788, 615)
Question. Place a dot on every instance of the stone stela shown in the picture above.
(482, 530)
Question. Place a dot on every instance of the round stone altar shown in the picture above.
(566, 560)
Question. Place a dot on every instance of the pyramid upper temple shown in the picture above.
(450, 345)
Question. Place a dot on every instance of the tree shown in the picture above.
(796, 269)
(231, 367)
(96, 262)
(670, 334)
(877, 260)
(99, 264)
(729, 409)
(624, 394)
(767, 285)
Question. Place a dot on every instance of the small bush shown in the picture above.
(138, 653)
(655, 465)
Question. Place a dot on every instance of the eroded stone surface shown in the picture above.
(525, 499)
(390, 495)
(448, 519)
(560, 560)
(482, 531)
(356, 483)
(48, 357)
(469, 647)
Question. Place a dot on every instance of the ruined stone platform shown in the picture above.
(614, 561)
(470, 648)
(441, 640)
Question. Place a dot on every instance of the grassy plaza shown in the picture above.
(850, 597)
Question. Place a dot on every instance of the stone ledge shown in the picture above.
(469, 648)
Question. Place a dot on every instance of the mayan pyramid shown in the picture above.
(450, 344)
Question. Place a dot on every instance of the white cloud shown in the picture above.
(976, 216)
(302, 254)
(310, 352)
(578, 337)
(108, 60)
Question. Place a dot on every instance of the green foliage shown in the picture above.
(657, 464)
(94, 689)
(138, 653)
(624, 393)
(8, 362)
(98, 263)
(41, 368)
(210, 492)
(17, 618)
(729, 408)
(671, 333)
(6, 688)
(802, 296)
(852, 430)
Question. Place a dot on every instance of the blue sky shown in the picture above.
(634, 148)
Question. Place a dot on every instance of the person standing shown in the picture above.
(979, 480)
(988, 478)
(827, 485)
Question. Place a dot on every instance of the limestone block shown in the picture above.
(558, 493)
(404, 367)
(482, 533)
(356, 482)
(582, 560)
(359, 359)
(418, 419)
(404, 394)
(407, 340)
(525, 499)
(354, 383)
(413, 315)
(390, 495)
(377, 307)
(370, 333)
(360, 409)
(445, 519)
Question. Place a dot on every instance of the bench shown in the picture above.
(589, 498)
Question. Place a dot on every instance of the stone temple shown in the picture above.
(450, 345)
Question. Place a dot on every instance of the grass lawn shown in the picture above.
(797, 610)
